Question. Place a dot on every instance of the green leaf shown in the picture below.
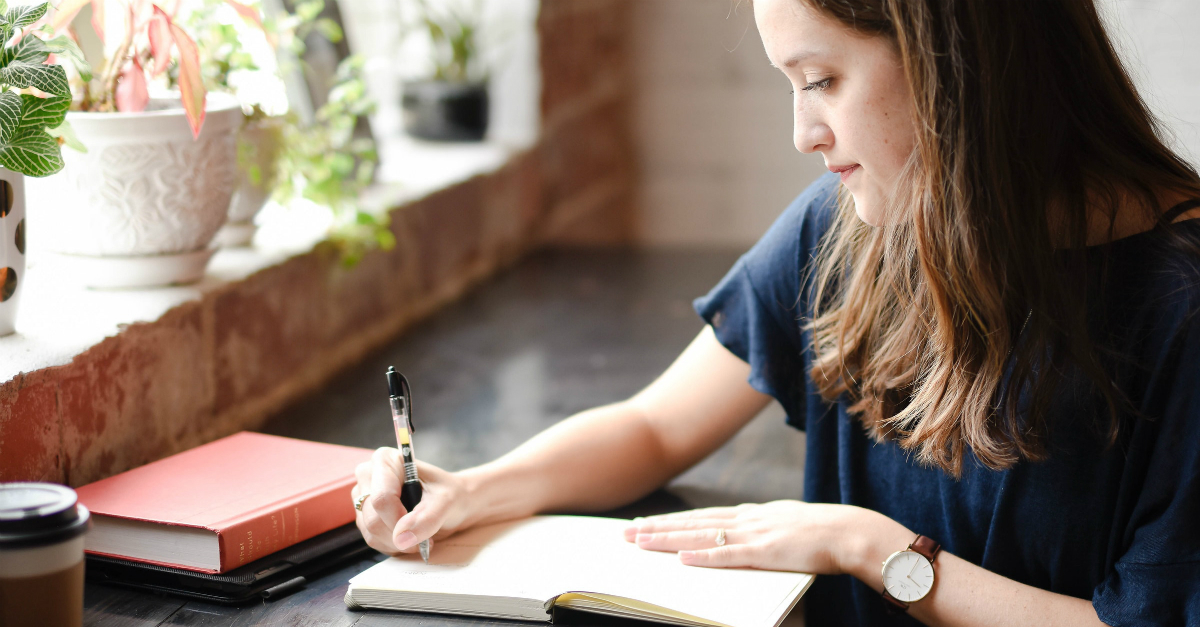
(68, 49)
(32, 152)
(31, 49)
(10, 114)
(43, 112)
(51, 79)
(3, 6)
(66, 133)
(24, 15)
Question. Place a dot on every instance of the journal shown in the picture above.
(525, 569)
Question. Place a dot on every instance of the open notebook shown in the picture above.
(523, 569)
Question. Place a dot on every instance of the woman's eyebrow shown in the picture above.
(797, 58)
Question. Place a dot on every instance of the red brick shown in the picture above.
(136, 397)
(30, 429)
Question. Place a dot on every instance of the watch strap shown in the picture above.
(894, 606)
(926, 546)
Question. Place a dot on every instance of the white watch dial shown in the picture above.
(907, 576)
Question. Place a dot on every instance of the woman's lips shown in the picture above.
(843, 170)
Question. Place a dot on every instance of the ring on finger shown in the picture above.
(358, 502)
(721, 536)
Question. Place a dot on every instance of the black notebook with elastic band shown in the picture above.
(271, 577)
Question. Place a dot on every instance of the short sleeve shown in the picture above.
(757, 309)
(1156, 581)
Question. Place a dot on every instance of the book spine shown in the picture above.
(271, 529)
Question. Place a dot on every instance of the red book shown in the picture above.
(224, 504)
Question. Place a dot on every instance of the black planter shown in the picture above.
(442, 111)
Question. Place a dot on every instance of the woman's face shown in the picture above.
(851, 103)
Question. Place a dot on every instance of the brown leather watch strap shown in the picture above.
(926, 546)
(895, 606)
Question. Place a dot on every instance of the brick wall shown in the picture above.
(245, 349)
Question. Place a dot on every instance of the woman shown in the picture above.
(987, 330)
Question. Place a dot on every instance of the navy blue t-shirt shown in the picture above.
(1119, 525)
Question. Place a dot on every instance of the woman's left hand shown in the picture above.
(794, 536)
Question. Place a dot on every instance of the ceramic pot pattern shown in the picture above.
(12, 247)
(144, 187)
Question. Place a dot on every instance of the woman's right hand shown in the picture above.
(385, 524)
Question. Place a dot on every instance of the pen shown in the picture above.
(401, 400)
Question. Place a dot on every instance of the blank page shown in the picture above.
(544, 556)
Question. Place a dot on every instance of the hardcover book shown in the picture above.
(524, 570)
(223, 504)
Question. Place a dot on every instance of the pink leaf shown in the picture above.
(98, 17)
(191, 86)
(247, 13)
(66, 11)
(132, 95)
(159, 31)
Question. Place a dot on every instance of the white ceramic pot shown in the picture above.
(12, 247)
(258, 144)
(140, 208)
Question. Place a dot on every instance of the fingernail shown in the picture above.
(405, 540)
(643, 537)
(686, 556)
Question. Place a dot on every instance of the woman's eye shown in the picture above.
(820, 85)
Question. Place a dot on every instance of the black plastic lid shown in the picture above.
(37, 514)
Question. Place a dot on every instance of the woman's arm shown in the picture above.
(596, 460)
(828, 539)
(963, 594)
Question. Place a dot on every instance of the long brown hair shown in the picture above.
(1020, 107)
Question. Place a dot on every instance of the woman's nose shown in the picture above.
(811, 134)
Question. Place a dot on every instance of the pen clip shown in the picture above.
(398, 387)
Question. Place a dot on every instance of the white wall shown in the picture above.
(712, 124)
(712, 120)
(1160, 41)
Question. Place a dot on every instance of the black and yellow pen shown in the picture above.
(401, 400)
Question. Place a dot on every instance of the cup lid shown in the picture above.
(34, 514)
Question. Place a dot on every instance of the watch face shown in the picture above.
(907, 576)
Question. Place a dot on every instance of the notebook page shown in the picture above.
(544, 556)
(735, 597)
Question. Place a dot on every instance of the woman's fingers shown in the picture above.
(420, 524)
(728, 556)
(385, 487)
(661, 525)
(689, 540)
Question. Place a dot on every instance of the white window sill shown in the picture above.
(59, 319)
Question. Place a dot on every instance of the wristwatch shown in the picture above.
(908, 575)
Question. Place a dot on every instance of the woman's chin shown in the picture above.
(869, 212)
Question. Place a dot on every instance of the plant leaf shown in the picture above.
(51, 79)
(10, 114)
(191, 84)
(21, 16)
(247, 13)
(44, 112)
(66, 133)
(65, 12)
(159, 31)
(65, 46)
(132, 95)
(31, 49)
(32, 152)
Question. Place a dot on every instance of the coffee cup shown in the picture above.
(41, 555)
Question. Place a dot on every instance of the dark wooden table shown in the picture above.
(562, 332)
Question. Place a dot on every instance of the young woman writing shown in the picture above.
(987, 329)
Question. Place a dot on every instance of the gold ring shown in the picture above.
(721, 536)
(358, 502)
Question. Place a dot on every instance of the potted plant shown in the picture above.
(325, 164)
(451, 104)
(34, 97)
(238, 57)
(141, 207)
